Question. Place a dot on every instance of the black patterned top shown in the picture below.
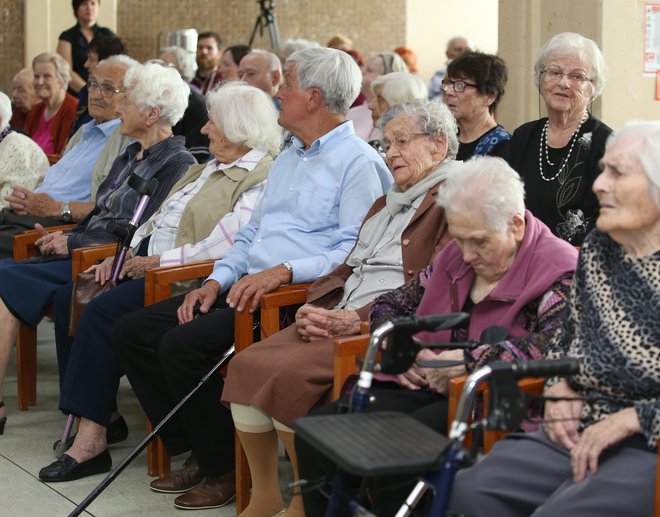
(613, 327)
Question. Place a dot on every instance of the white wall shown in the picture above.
(430, 23)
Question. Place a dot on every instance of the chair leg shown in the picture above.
(158, 460)
(26, 366)
(242, 478)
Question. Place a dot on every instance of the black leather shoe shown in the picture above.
(3, 420)
(68, 469)
(116, 432)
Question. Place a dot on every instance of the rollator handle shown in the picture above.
(546, 368)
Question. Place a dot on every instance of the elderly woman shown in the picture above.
(558, 156)
(391, 89)
(472, 90)
(597, 449)
(400, 235)
(197, 222)
(503, 266)
(154, 100)
(230, 60)
(377, 65)
(49, 121)
(21, 160)
(73, 44)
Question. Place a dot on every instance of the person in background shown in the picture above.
(263, 70)
(293, 45)
(455, 47)
(340, 42)
(23, 97)
(472, 89)
(100, 48)
(409, 57)
(208, 59)
(73, 43)
(558, 156)
(21, 160)
(229, 61)
(377, 65)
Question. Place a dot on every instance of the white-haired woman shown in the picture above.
(558, 156)
(49, 122)
(22, 162)
(376, 66)
(496, 244)
(196, 222)
(391, 89)
(597, 451)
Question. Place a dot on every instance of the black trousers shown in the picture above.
(387, 493)
(12, 224)
(164, 361)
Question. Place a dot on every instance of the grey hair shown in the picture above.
(274, 62)
(156, 86)
(574, 44)
(62, 68)
(186, 63)
(433, 117)
(648, 134)
(5, 111)
(293, 45)
(121, 60)
(487, 184)
(246, 115)
(332, 71)
(399, 87)
(392, 62)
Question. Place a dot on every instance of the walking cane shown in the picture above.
(140, 447)
(124, 234)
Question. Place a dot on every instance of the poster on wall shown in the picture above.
(651, 38)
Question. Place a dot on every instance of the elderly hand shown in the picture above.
(598, 437)
(564, 431)
(102, 271)
(25, 202)
(135, 267)
(204, 297)
(438, 378)
(255, 286)
(314, 323)
(51, 243)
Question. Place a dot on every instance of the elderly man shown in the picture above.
(69, 186)
(455, 47)
(208, 60)
(23, 97)
(261, 69)
(319, 190)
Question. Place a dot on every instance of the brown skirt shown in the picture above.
(283, 375)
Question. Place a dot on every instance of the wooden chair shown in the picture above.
(26, 341)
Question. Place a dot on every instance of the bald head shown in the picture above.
(22, 90)
(261, 69)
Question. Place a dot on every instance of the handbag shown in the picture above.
(85, 289)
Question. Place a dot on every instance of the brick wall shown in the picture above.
(373, 25)
(11, 41)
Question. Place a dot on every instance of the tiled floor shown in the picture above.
(26, 447)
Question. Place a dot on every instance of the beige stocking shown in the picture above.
(287, 438)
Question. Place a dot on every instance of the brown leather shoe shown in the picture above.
(211, 492)
(180, 481)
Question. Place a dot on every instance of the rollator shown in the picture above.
(124, 235)
(369, 445)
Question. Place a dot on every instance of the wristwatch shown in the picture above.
(289, 268)
(66, 212)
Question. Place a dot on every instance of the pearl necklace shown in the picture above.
(543, 146)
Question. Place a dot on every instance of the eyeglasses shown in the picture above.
(401, 142)
(458, 85)
(554, 75)
(106, 90)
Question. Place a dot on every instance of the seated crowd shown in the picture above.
(340, 172)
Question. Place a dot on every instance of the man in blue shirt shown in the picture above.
(318, 192)
(68, 190)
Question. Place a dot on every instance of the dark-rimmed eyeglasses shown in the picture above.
(459, 85)
(106, 90)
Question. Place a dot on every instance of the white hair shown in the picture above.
(399, 87)
(647, 132)
(574, 44)
(332, 71)
(433, 117)
(294, 45)
(5, 111)
(62, 68)
(246, 115)
(186, 63)
(155, 86)
(486, 184)
(121, 60)
(392, 62)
